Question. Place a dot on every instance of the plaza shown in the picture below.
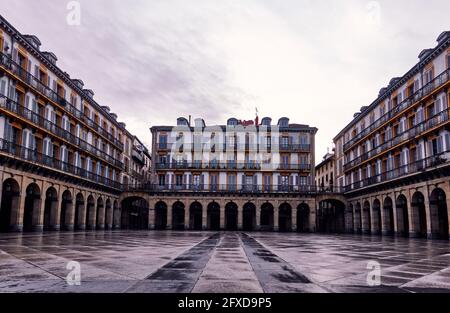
(228, 262)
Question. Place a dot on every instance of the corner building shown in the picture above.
(61, 153)
(393, 159)
(243, 175)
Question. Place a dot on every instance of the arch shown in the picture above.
(401, 204)
(108, 214)
(331, 216)
(79, 222)
(303, 222)
(439, 214)
(32, 208)
(90, 213)
(285, 217)
(196, 216)
(65, 215)
(160, 215)
(213, 216)
(231, 216)
(249, 217)
(418, 215)
(50, 209)
(267, 213)
(358, 219)
(100, 214)
(178, 209)
(134, 214)
(366, 218)
(9, 209)
(388, 216)
(376, 217)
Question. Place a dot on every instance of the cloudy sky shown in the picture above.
(315, 61)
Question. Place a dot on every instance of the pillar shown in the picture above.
(276, 214)
(240, 217)
(169, 217)
(187, 215)
(258, 217)
(204, 216)
(294, 219)
(222, 217)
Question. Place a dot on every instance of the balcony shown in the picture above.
(21, 153)
(250, 166)
(402, 171)
(138, 156)
(289, 148)
(231, 189)
(418, 130)
(437, 82)
(34, 82)
(36, 119)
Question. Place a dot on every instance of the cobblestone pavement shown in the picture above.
(220, 262)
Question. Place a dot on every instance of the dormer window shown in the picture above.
(232, 122)
(266, 121)
(182, 122)
(283, 122)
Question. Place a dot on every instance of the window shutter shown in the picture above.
(2, 87)
(15, 55)
(54, 86)
(36, 71)
(45, 147)
(439, 145)
(27, 102)
(24, 139)
(29, 66)
(416, 85)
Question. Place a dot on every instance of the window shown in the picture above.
(232, 182)
(428, 76)
(448, 61)
(163, 141)
(267, 182)
(179, 180)
(162, 180)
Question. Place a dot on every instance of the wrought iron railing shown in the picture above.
(22, 153)
(440, 80)
(37, 84)
(35, 118)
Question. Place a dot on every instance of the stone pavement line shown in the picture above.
(275, 274)
(228, 270)
(180, 274)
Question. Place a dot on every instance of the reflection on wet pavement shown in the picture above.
(220, 262)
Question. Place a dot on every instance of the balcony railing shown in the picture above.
(18, 109)
(437, 82)
(239, 147)
(29, 155)
(255, 189)
(402, 171)
(230, 166)
(436, 120)
(34, 82)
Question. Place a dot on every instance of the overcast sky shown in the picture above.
(314, 61)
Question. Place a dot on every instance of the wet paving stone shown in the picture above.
(174, 262)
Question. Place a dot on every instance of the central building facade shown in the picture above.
(242, 175)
